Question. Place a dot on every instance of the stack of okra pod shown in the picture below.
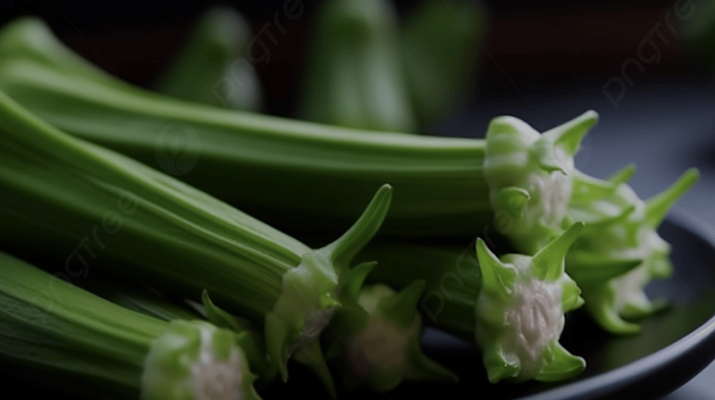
(89, 169)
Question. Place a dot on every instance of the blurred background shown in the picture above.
(645, 66)
(531, 49)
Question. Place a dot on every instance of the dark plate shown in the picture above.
(672, 348)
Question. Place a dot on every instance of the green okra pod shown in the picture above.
(268, 160)
(439, 43)
(536, 193)
(51, 326)
(621, 237)
(513, 306)
(522, 182)
(58, 191)
(211, 67)
(354, 75)
(376, 337)
(156, 306)
(30, 38)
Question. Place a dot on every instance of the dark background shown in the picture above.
(532, 48)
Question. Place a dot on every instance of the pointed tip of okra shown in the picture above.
(219, 317)
(276, 336)
(571, 296)
(513, 198)
(587, 189)
(356, 279)
(659, 206)
(401, 307)
(497, 278)
(608, 317)
(563, 365)
(591, 268)
(548, 263)
(570, 134)
(635, 310)
(567, 136)
(545, 153)
(424, 368)
(498, 367)
(623, 175)
(312, 357)
(347, 246)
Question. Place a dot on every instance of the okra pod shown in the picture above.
(51, 326)
(210, 68)
(58, 191)
(354, 75)
(161, 308)
(268, 159)
(513, 306)
(620, 251)
(375, 338)
(439, 42)
(518, 180)
(621, 239)
(30, 38)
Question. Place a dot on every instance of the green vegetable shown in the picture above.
(256, 162)
(210, 68)
(376, 336)
(143, 301)
(536, 192)
(30, 38)
(51, 326)
(522, 180)
(451, 274)
(354, 76)
(76, 200)
(529, 176)
(621, 235)
(163, 309)
(512, 306)
(439, 46)
(444, 182)
(520, 313)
